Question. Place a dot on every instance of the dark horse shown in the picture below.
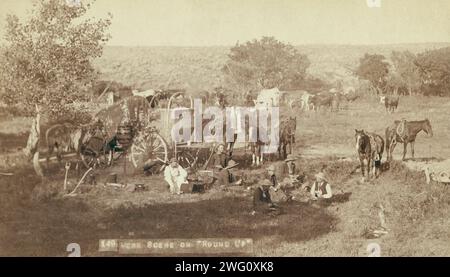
(369, 147)
(405, 132)
(287, 136)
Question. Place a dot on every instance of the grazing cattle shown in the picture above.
(269, 98)
(319, 100)
(351, 97)
(405, 132)
(390, 102)
(306, 101)
(369, 147)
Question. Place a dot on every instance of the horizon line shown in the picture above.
(301, 44)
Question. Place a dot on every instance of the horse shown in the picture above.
(63, 137)
(369, 147)
(287, 136)
(405, 132)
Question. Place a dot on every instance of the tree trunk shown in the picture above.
(31, 150)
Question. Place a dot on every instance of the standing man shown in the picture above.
(175, 176)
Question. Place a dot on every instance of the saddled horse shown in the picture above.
(405, 132)
(369, 147)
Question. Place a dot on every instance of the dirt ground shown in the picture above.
(36, 220)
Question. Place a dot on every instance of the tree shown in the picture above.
(434, 69)
(47, 59)
(265, 63)
(375, 69)
(407, 70)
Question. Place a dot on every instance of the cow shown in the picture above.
(390, 102)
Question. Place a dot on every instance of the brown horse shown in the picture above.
(405, 132)
(287, 136)
(369, 147)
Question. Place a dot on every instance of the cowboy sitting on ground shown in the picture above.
(276, 189)
(321, 189)
(175, 176)
(290, 171)
(225, 175)
(262, 198)
(219, 157)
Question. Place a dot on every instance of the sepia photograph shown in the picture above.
(237, 128)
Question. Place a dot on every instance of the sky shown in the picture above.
(225, 22)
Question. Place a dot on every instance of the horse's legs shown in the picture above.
(361, 161)
(391, 149)
(412, 149)
(368, 168)
(404, 150)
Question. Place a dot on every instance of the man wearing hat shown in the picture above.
(290, 163)
(175, 176)
(261, 195)
(277, 193)
(224, 175)
(219, 158)
(321, 189)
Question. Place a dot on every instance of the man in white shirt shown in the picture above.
(175, 176)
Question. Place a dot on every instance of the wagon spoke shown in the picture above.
(159, 146)
(139, 147)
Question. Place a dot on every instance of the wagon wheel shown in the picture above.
(147, 148)
(96, 159)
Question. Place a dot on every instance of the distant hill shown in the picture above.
(200, 67)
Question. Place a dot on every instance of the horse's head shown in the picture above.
(427, 127)
(360, 139)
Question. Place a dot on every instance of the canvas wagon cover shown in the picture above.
(135, 110)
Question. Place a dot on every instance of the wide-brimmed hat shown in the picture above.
(320, 176)
(219, 144)
(290, 158)
(231, 164)
(265, 183)
(271, 168)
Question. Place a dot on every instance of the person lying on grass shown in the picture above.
(175, 175)
(321, 189)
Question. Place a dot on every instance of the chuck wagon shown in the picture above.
(130, 128)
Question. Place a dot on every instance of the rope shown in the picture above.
(401, 129)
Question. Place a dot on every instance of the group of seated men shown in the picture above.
(270, 189)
